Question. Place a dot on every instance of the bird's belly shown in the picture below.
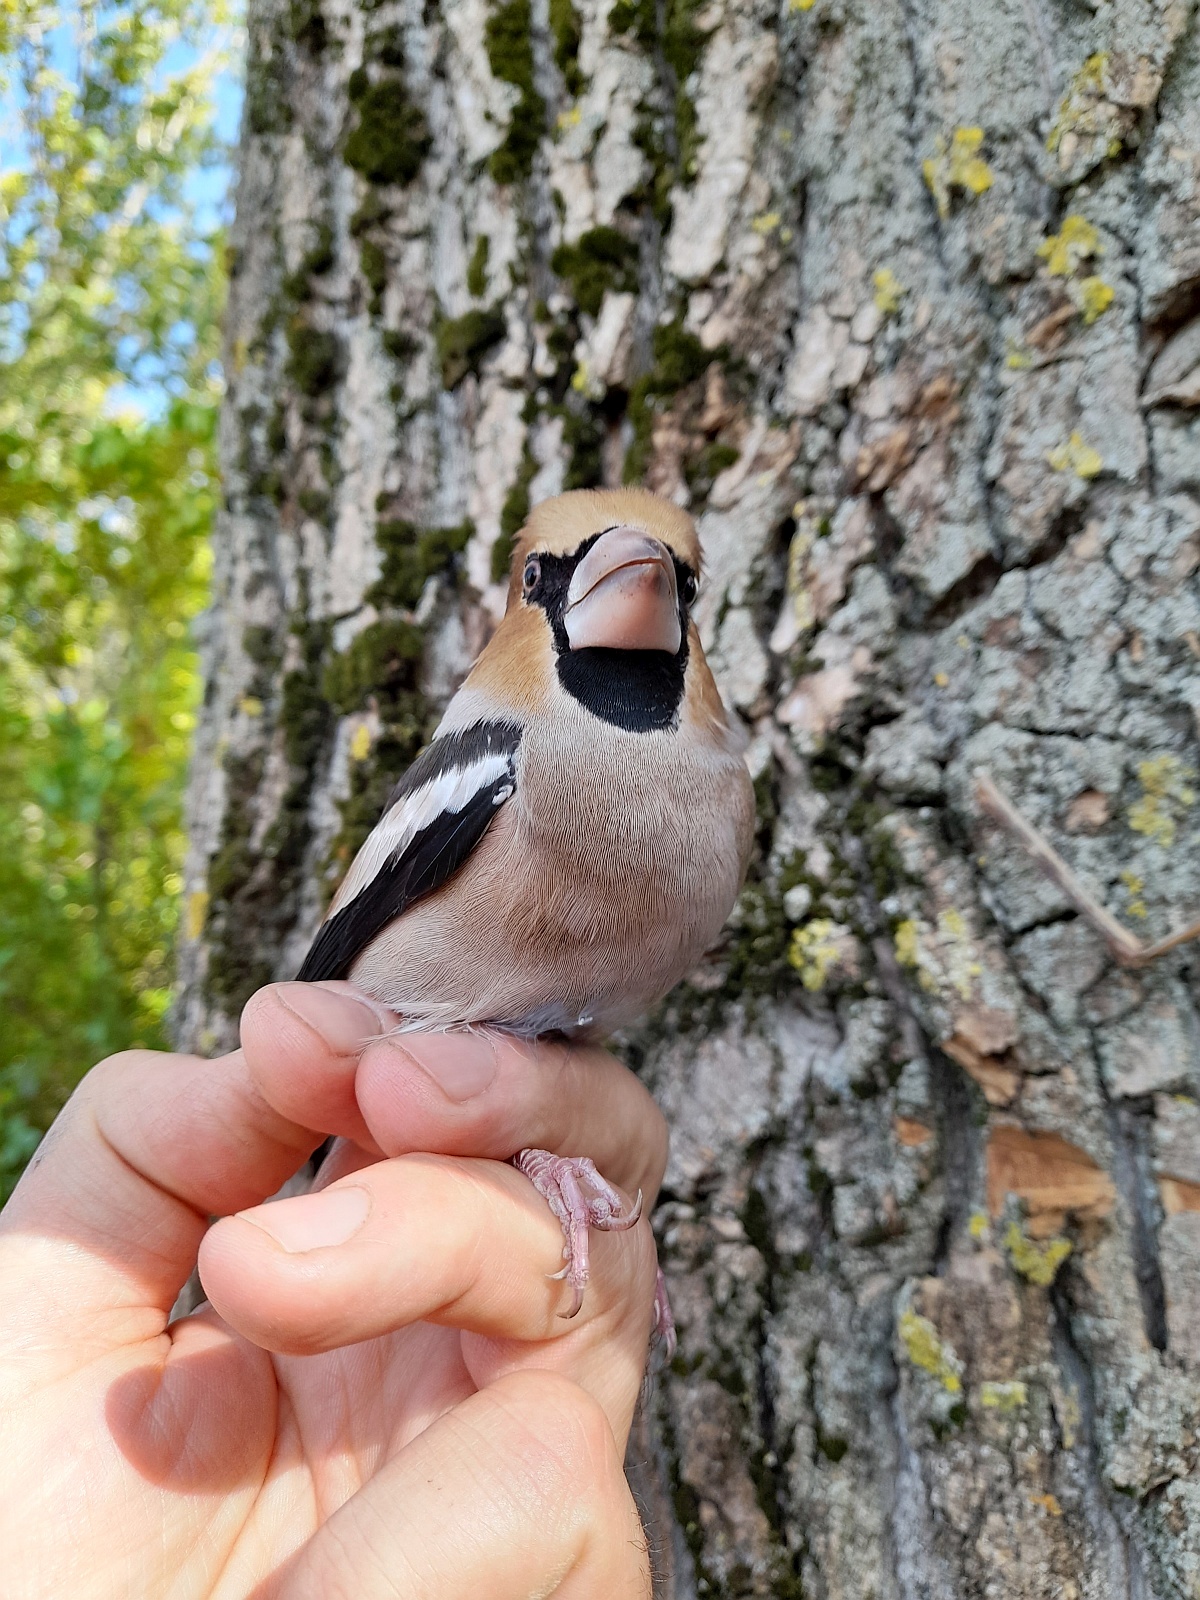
(586, 940)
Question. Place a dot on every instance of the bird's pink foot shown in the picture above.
(663, 1331)
(581, 1199)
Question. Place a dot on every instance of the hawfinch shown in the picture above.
(575, 835)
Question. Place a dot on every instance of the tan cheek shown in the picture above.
(516, 666)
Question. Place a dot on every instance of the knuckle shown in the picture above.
(113, 1071)
(264, 1003)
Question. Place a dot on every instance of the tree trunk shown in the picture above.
(900, 297)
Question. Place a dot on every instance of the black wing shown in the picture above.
(437, 814)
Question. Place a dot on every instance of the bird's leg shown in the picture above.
(581, 1199)
(1126, 947)
(663, 1331)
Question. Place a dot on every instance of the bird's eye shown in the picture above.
(688, 588)
(532, 575)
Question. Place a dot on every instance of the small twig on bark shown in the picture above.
(1126, 947)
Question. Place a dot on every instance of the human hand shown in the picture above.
(382, 1398)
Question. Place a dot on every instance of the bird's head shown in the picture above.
(611, 569)
(612, 574)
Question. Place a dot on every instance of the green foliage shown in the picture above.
(107, 287)
(463, 342)
(602, 258)
(507, 39)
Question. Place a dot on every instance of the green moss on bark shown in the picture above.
(386, 46)
(236, 966)
(509, 44)
(315, 364)
(679, 359)
(462, 343)
(603, 258)
(374, 270)
(315, 503)
(512, 517)
(565, 28)
(411, 556)
(298, 285)
(391, 138)
(254, 888)
(380, 659)
(672, 146)
(477, 270)
(268, 109)
(584, 434)
(372, 209)
(703, 469)
(262, 647)
(399, 345)
(306, 24)
(381, 667)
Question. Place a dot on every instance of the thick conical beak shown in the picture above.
(624, 596)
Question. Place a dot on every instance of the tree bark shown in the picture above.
(900, 297)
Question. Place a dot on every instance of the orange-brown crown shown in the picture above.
(559, 526)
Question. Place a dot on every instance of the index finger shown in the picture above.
(111, 1210)
(476, 1092)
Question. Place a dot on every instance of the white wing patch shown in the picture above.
(449, 793)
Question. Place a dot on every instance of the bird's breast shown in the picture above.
(601, 881)
(632, 845)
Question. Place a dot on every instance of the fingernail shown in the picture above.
(461, 1064)
(312, 1221)
(343, 1022)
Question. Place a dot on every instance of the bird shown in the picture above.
(575, 834)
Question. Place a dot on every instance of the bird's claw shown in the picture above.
(581, 1199)
(663, 1331)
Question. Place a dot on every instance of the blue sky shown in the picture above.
(208, 189)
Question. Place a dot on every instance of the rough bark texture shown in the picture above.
(900, 296)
